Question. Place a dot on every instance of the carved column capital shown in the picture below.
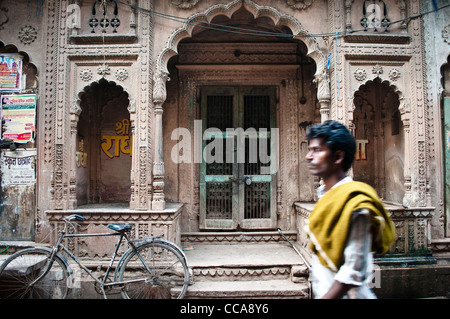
(323, 93)
(159, 88)
(75, 109)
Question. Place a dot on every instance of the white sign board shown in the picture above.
(18, 167)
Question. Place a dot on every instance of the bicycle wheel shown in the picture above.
(19, 272)
(156, 271)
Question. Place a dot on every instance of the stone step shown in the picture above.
(221, 262)
(238, 255)
(257, 289)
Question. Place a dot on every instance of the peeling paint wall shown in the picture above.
(18, 200)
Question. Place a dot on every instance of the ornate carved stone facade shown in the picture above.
(151, 71)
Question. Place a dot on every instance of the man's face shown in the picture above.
(320, 159)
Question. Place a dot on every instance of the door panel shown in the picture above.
(258, 209)
(237, 190)
(218, 210)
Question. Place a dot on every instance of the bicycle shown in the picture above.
(152, 267)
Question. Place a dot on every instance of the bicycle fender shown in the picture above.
(159, 239)
(63, 259)
(119, 264)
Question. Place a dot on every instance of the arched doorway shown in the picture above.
(226, 81)
(380, 137)
(103, 145)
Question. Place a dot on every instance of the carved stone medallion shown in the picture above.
(27, 34)
(360, 74)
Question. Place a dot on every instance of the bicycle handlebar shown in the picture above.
(76, 217)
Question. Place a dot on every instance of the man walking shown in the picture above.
(348, 223)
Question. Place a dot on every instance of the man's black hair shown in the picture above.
(337, 138)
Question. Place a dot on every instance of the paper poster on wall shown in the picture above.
(19, 113)
(10, 72)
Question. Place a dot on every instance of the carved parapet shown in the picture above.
(97, 217)
(441, 247)
(412, 227)
(303, 210)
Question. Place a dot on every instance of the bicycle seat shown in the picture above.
(120, 227)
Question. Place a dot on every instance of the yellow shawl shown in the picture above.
(329, 223)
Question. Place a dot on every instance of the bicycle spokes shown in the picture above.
(162, 269)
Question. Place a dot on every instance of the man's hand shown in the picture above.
(337, 290)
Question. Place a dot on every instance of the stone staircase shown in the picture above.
(244, 265)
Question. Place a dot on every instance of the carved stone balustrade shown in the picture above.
(98, 216)
(412, 227)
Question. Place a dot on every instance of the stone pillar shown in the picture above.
(75, 112)
(159, 96)
(408, 199)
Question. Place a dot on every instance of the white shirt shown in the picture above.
(358, 265)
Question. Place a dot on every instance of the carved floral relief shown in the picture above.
(299, 4)
(121, 74)
(27, 34)
(86, 75)
(394, 74)
(360, 74)
(104, 69)
(185, 4)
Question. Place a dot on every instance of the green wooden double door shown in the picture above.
(237, 175)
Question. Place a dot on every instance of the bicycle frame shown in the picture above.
(71, 255)
(60, 246)
(133, 251)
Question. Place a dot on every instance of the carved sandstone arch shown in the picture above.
(403, 107)
(171, 48)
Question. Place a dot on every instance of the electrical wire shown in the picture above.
(244, 31)
(5, 249)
